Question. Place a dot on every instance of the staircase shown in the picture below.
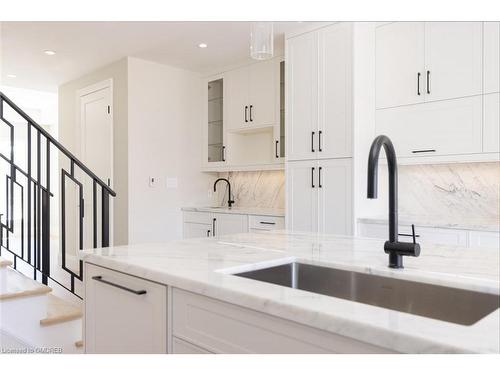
(43, 225)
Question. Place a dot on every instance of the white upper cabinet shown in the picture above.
(399, 64)
(335, 92)
(214, 121)
(491, 57)
(453, 59)
(491, 123)
(237, 98)
(302, 96)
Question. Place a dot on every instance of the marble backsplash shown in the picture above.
(263, 189)
(453, 193)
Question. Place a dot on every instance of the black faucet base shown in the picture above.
(395, 261)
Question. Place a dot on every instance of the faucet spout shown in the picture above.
(229, 201)
(393, 247)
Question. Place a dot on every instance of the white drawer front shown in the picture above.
(266, 222)
(198, 217)
(119, 320)
(220, 327)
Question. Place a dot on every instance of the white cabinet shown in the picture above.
(320, 196)
(123, 314)
(447, 127)
(208, 224)
(399, 64)
(251, 96)
(491, 57)
(229, 224)
(260, 223)
(220, 327)
(214, 134)
(427, 61)
(319, 93)
(491, 120)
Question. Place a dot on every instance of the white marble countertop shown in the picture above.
(433, 223)
(239, 210)
(204, 265)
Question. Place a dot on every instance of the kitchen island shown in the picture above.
(183, 297)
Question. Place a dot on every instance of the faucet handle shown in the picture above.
(412, 235)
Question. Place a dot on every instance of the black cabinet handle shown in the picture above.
(246, 113)
(267, 222)
(428, 82)
(312, 141)
(223, 153)
(213, 226)
(319, 141)
(251, 119)
(418, 83)
(312, 177)
(319, 177)
(208, 233)
(101, 280)
(422, 151)
(276, 149)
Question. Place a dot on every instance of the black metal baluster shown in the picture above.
(105, 217)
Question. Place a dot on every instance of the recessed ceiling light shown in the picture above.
(11, 76)
(49, 52)
(202, 45)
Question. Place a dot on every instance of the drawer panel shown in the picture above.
(266, 222)
(198, 217)
(221, 327)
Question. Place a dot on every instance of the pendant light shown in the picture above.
(262, 41)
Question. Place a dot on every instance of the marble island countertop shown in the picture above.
(204, 266)
(239, 210)
(433, 222)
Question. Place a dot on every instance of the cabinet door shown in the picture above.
(230, 224)
(491, 57)
(453, 59)
(237, 98)
(447, 127)
(335, 196)
(399, 60)
(335, 91)
(302, 195)
(197, 230)
(491, 123)
(214, 128)
(302, 96)
(262, 93)
(119, 320)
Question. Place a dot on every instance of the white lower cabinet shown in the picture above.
(218, 327)
(208, 224)
(259, 223)
(319, 196)
(123, 313)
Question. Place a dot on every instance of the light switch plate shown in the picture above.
(153, 181)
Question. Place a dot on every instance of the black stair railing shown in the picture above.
(35, 189)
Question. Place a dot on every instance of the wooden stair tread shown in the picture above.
(14, 284)
(59, 310)
(4, 262)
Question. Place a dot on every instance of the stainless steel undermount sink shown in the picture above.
(453, 305)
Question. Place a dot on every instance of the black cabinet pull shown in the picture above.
(319, 177)
(213, 226)
(428, 82)
(276, 149)
(223, 153)
(312, 141)
(418, 83)
(312, 177)
(422, 151)
(251, 119)
(319, 141)
(208, 233)
(246, 113)
(101, 280)
(267, 222)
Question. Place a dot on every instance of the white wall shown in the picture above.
(164, 128)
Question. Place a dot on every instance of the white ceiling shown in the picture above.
(84, 46)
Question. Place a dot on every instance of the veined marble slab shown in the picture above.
(239, 210)
(204, 266)
(430, 222)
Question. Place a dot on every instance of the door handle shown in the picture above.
(251, 107)
(312, 177)
(422, 151)
(223, 153)
(319, 141)
(276, 149)
(319, 177)
(208, 232)
(101, 280)
(428, 82)
(418, 83)
(246, 113)
(312, 141)
(213, 226)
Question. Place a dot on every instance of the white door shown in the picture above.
(335, 92)
(197, 230)
(491, 57)
(237, 98)
(399, 64)
(453, 59)
(262, 93)
(302, 195)
(96, 137)
(230, 224)
(335, 196)
(302, 97)
(491, 123)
